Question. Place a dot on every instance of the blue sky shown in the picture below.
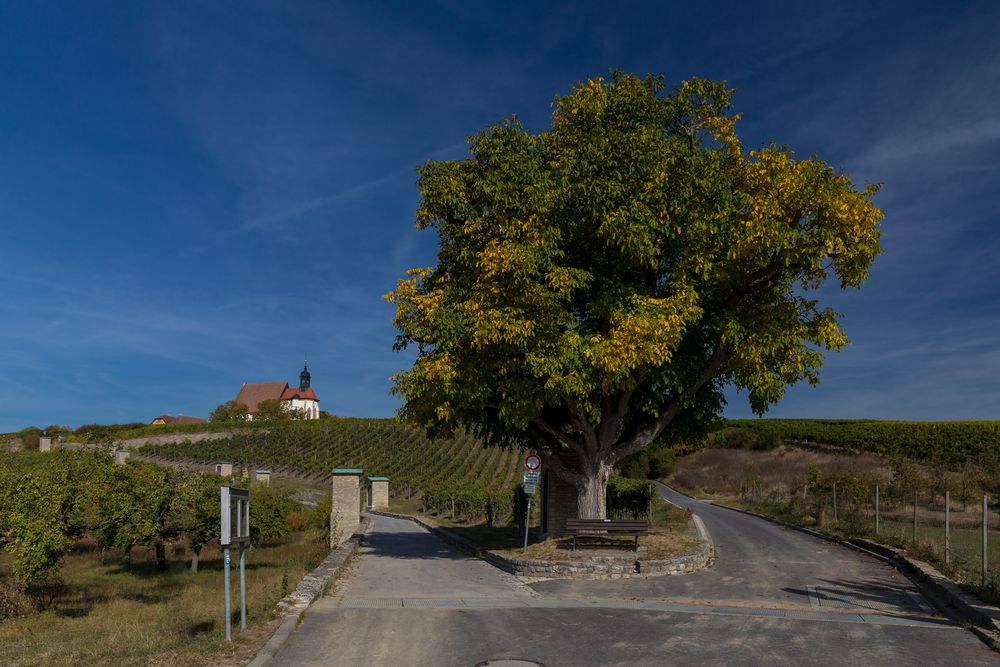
(197, 195)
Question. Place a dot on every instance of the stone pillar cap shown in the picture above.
(348, 471)
(378, 479)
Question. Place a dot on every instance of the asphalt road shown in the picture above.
(773, 597)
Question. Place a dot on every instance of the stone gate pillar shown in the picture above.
(346, 514)
(378, 493)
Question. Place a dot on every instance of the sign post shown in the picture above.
(235, 528)
(532, 472)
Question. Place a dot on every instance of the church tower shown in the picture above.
(304, 377)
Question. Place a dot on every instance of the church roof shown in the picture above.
(253, 393)
(303, 394)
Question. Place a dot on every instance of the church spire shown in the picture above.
(304, 376)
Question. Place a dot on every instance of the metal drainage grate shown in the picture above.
(433, 602)
(509, 662)
(828, 597)
(374, 603)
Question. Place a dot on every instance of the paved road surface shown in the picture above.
(762, 564)
(774, 597)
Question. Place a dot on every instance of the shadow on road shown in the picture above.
(861, 595)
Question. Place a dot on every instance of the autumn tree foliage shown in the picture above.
(600, 282)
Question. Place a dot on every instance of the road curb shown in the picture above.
(946, 595)
(308, 591)
(698, 523)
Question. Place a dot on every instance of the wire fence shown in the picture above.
(963, 535)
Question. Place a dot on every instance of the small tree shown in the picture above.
(198, 512)
(601, 282)
(271, 410)
(29, 437)
(230, 411)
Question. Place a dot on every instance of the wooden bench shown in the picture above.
(606, 527)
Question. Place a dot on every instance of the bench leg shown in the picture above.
(637, 544)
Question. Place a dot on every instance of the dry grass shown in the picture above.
(722, 472)
(109, 615)
(655, 546)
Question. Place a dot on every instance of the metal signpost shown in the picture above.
(235, 528)
(532, 472)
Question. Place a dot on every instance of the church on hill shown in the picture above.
(302, 398)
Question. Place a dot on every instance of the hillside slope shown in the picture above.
(456, 474)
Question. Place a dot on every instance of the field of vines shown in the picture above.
(949, 443)
(457, 476)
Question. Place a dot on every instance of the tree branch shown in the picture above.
(611, 417)
(644, 437)
(550, 457)
(558, 435)
(587, 430)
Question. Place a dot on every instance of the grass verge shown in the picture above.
(106, 614)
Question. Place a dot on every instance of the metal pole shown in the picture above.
(947, 527)
(835, 518)
(527, 522)
(986, 524)
(914, 517)
(243, 588)
(876, 509)
(225, 569)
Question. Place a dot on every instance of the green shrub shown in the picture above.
(630, 498)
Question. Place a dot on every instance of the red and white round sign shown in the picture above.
(533, 462)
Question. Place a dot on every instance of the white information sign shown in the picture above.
(530, 480)
(235, 511)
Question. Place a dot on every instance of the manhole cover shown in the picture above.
(508, 662)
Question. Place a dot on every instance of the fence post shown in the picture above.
(947, 527)
(876, 509)
(986, 524)
(835, 517)
(914, 517)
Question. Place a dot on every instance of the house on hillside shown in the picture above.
(302, 398)
(179, 419)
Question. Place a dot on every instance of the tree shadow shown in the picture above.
(205, 627)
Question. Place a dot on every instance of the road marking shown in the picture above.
(648, 605)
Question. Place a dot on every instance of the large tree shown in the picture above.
(600, 282)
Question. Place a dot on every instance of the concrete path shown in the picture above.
(412, 600)
(402, 560)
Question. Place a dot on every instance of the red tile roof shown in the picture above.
(295, 392)
(179, 419)
(253, 393)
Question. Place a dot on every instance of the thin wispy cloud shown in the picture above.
(193, 196)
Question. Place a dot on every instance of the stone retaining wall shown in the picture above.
(604, 567)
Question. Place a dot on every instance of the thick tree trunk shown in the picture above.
(161, 556)
(592, 494)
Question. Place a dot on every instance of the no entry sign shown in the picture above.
(533, 462)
